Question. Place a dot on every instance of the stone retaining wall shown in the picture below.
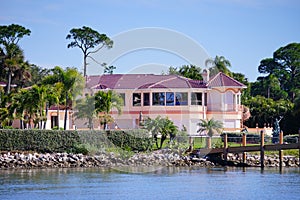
(269, 161)
(163, 157)
(64, 160)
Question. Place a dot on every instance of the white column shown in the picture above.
(203, 105)
(236, 102)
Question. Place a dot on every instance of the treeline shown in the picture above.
(27, 91)
(274, 95)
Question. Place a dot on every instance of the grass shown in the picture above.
(290, 152)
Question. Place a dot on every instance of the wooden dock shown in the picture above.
(241, 149)
(260, 147)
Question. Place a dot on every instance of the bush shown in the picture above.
(94, 141)
(49, 141)
(238, 137)
(131, 140)
(39, 140)
(291, 139)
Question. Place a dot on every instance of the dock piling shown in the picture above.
(262, 150)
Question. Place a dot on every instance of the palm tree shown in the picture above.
(220, 64)
(52, 98)
(210, 126)
(168, 129)
(86, 110)
(104, 102)
(12, 61)
(6, 113)
(164, 126)
(72, 82)
(155, 127)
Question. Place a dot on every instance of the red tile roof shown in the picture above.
(144, 81)
(222, 80)
(141, 81)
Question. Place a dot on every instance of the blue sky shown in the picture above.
(244, 31)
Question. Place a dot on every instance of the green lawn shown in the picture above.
(200, 142)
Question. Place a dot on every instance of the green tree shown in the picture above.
(108, 69)
(6, 113)
(12, 61)
(219, 64)
(210, 126)
(155, 127)
(168, 129)
(287, 58)
(86, 110)
(269, 87)
(86, 39)
(172, 71)
(188, 71)
(265, 110)
(285, 66)
(72, 85)
(242, 79)
(105, 101)
(37, 75)
(164, 126)
(11, 55)
(11, 34)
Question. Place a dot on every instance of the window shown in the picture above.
(238, 96)
(196, 98)
(136, 99)
(158, 98)
(146, 99)
(122, 95)
(170, 99)
(181, 98)
(205, 99)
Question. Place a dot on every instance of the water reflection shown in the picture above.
(150, 183)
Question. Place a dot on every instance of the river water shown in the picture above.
(158, 183)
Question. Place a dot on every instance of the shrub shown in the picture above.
(134, 140)
(39, 140)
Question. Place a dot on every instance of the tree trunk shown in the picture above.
(46, 116)
(21, 124)
(156, 142)
(162, 139)
(84, 65)
(208, 142)
(57, 110)
(8, 86)
(66, 112)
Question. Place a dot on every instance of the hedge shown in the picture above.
(134, 140)
(237, 137)
(49, 141)
(38, 140)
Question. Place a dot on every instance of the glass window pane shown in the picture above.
(181, 98)
(170, 99)
(146, 97)
(158, 98)
(196, 98)
(136, 99)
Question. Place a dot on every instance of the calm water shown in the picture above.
(163, 183)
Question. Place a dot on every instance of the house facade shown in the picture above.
(182, 100)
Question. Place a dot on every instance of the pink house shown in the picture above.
(182, 100)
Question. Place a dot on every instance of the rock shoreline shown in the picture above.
(269, 161)
(165, 158)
